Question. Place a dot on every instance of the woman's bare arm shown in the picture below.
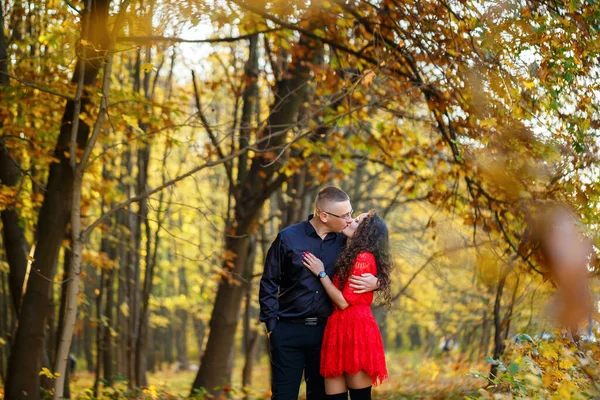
(316, 266)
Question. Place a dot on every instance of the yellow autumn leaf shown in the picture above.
(132, 122)
(549, 352)
(147, 67)
(48, 374)
(489, 123)
(564, 390)
(124, 308)
(565, 363)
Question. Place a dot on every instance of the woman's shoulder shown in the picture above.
(365, 256)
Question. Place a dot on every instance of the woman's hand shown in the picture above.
(313, 263)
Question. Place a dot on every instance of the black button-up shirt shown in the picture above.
(290, 290)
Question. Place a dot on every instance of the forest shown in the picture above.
(151, 150)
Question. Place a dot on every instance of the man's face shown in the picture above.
(336, 215)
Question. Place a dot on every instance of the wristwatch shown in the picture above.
(322, 274)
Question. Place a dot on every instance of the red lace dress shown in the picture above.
(352, 341)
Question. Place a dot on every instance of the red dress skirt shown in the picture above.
(352, 341)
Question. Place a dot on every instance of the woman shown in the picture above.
(352, 355)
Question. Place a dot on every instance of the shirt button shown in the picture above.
(317, 291)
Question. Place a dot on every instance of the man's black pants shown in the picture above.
(296, 348)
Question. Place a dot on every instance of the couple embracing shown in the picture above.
(315, 297)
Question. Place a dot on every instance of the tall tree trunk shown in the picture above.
(4, 80)
(139, 317)
(108, 337)
(26, 353)
(485, 334)
(498, 340)
(251, 335)
(261, 182)
(91, 284)
(151, 261)
(4, 323)
(249, 105)
(124, 218)
(99, 327)
(13, 237)
(79, 235)
(105, 319)
(509, 313)
(182, 318)
(136, 220)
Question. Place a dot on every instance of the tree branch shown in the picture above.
(212, 136)
(146, 39)
(34, 86)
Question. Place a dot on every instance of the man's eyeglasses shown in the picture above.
(345, 216)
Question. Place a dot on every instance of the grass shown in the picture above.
(411, 377)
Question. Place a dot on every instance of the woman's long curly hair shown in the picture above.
(372, 236)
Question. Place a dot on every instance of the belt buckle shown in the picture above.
(311, 321)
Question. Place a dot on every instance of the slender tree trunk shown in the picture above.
(99, 328)
(498, 341)
(485, 335)
(140, 317)
(91, 284)
(63, 295)
(136, 220)
(124, 222)
(79, 237)
(509, 313)
(108, 337)
(4, 80)
(13, 237)
(182, 318)
(250, 104)
(4, 323)
(251, 335)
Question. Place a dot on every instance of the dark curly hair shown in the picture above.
(372, 236)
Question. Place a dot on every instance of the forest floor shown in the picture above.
(412, 376)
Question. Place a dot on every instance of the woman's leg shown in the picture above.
(336, 388)
(360, 386)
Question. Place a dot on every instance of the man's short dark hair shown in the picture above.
(330, 194)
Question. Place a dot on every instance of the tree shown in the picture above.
(25, 360)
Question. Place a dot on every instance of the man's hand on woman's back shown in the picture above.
(363, 283)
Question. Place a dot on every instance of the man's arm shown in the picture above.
(363, 283)
(269, 285)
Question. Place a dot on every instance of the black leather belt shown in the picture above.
(308, 321)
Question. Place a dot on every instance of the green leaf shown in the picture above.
(524, 337)
(513, 368)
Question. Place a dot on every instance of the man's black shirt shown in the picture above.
(290, 290)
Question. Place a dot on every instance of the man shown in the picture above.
(293, 303)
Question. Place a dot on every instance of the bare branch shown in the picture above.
(211, 134)
(34, 86)
(147, 39)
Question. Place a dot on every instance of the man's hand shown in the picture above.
(363, 283)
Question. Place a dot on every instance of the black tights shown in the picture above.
(360, 394)
(355, 394)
